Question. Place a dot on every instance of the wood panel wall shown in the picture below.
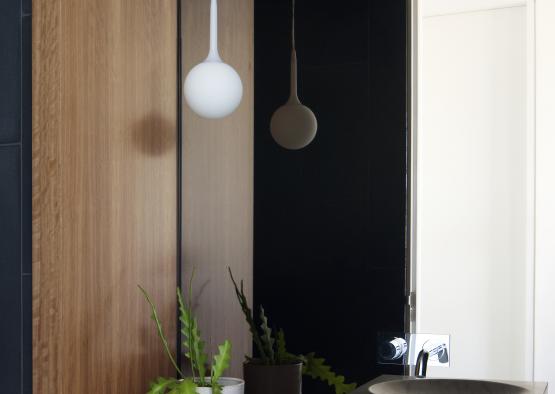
(104, 192)
(218, 180)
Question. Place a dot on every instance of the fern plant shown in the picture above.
(194, 346)
(272, 348)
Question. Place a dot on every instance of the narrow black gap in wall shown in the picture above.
(179, 169)
(21, 160)
(408, 161)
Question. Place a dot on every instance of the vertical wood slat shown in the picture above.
(218, 180)
(104, 192)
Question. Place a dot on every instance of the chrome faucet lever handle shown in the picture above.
(434, 348)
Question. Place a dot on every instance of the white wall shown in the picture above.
(472, 192)
(545, 192)
(449, 7)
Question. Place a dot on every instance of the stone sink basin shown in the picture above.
(445, 386)
(390, 384)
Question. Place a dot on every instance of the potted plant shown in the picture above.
(275, 370)
(203, 380)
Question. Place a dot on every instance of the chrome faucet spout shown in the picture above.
(430, 349)
(422, 364)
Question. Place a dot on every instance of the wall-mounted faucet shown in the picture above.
(418, 350)
(430, 349)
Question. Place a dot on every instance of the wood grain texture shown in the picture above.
(218, 180)
(104, 192)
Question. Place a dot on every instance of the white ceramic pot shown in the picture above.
(229, 386)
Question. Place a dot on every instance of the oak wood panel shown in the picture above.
(104, 192)
(218, 180)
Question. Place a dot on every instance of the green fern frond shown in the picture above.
(221, 363)
(198, 349)
(267, 339)
(172, 386)
(249, 318)
(317, 369)
(192, 339)
(281, 353)
(161, 385)
(185, 386)
(161, 335)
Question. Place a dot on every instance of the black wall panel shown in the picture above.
(15, 197)
(10, 267)
(10, 71)
(329, 246)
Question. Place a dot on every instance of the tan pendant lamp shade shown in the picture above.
(293, 125)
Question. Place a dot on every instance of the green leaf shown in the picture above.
(249, 318)
(185, 386)
(192, 339)
(282, 355)
(267, 339)
(281, 350)
(154, 317)
(221, 363)
(161, 385)
(317, 369)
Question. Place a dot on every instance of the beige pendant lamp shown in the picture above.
(293, 125)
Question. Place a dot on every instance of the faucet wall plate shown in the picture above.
(432, 343)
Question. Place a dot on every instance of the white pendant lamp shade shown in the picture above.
(293, 125)
(213, 89)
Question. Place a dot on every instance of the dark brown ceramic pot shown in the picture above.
(272, 379)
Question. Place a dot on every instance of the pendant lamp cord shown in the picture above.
(293, 24)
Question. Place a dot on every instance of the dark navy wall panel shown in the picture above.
(26, 7)
(15, 197)
(10, 70)
(10, 268)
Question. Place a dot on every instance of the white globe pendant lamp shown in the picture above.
(293, 125)
(213, 89)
